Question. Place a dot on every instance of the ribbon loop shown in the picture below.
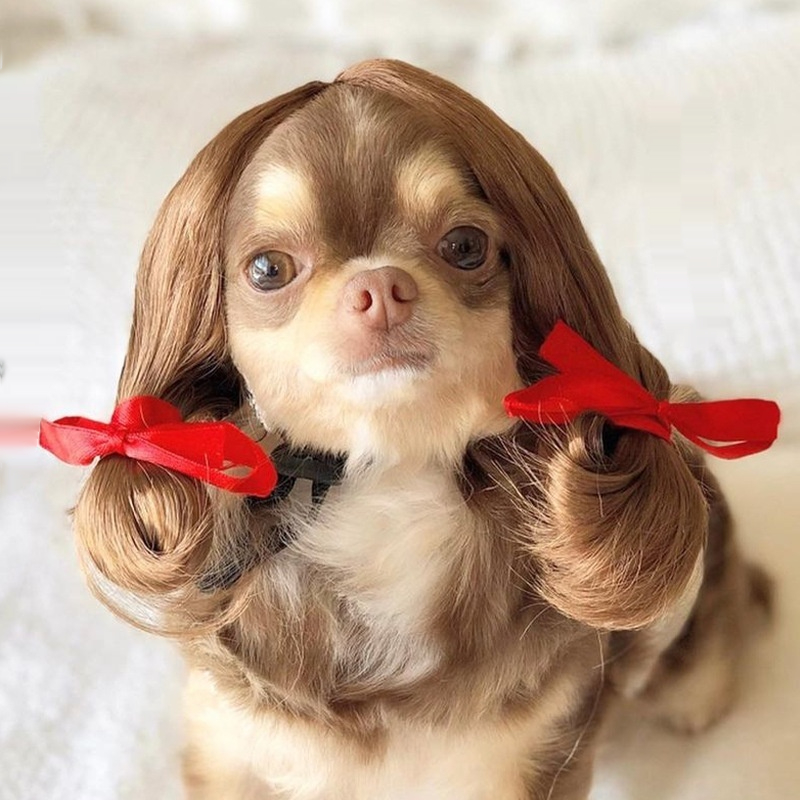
(588, 382)
(149, 429)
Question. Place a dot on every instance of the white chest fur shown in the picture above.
(389, 539)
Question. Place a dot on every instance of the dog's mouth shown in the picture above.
(390, 360)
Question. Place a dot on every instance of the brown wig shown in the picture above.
(613, 521)
(148, 530)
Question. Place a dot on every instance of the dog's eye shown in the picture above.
(464, 247)
(271, 270)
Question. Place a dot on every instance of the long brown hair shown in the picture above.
(613, 521)
(141, 528)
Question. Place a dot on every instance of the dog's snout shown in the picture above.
(381, 298)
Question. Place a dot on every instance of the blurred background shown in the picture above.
(675, 126)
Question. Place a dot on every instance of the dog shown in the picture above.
(438, 600)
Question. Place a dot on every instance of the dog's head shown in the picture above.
(366, 283)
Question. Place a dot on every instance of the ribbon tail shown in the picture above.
(728, 428)
(547, 402)
(76, 440)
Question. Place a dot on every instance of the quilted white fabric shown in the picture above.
(676, 132)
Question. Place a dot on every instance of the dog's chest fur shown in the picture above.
(391, 638)
(388, 544)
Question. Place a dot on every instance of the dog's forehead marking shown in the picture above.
(349, 144)
(357, 179)
(283, 195)
(280, 185)
(427, 179)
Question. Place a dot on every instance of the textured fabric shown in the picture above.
(676, 134)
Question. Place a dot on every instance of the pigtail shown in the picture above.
(140, 528)
(613, 520)
(148, 530)
(623, 519)
(617, 538)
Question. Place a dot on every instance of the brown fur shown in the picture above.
(561, 535)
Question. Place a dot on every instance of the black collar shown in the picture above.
(322, 469)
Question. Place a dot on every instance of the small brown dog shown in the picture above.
(364, 269)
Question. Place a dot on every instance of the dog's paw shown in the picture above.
(691, 701)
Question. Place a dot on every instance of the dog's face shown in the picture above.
(367, 292)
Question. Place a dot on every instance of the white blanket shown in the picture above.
(677, 136)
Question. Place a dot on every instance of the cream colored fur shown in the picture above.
(304, 762)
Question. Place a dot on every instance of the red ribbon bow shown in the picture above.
(588, 382)
(149, 429)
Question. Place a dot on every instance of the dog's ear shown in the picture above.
(146, 529)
